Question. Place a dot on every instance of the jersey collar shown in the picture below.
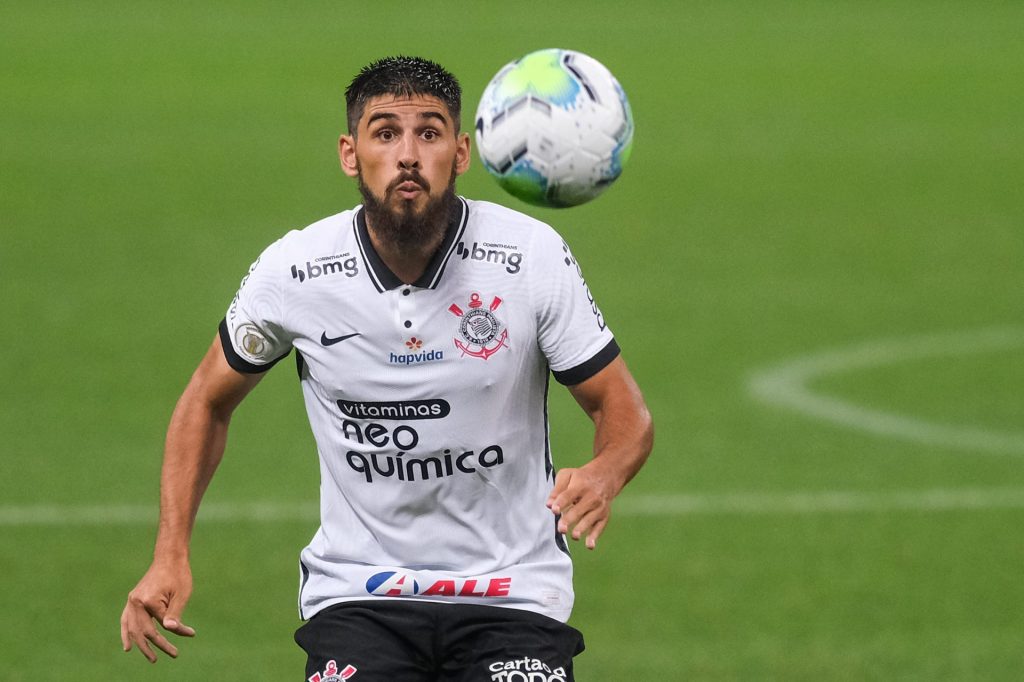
(380, 274)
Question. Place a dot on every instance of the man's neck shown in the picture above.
(408, 266)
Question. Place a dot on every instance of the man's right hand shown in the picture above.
(160, 597)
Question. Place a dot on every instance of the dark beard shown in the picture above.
(402, 229)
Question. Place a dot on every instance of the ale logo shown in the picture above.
(391, 584)
(394, 584)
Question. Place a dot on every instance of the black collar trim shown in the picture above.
(380, 274)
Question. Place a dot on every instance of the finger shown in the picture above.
(576, 504)
(583, 526)
(567, 499)
(133, 625)
(596, 533)
(566, 516)
(134, 632)
(178, 628)
(562, 479)
(172, 618)
(143, 646)
(162, 643)
(126, 643)
(583, 516)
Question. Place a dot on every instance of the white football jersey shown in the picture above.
(428, 403)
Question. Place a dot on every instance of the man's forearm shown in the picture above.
(194, 447)
(623, 432)
(622, 445)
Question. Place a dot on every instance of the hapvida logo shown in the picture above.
(394, 584)
(418, 355)
(330, 265)
(413, 358)
(492, 253)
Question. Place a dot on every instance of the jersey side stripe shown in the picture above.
(302, 586)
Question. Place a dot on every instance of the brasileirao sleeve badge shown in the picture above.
(482, 333)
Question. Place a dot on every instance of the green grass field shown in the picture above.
(807, 178)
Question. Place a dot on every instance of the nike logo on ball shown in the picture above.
(327, 341)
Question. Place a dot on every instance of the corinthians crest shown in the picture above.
(482, 333)
(332, 674)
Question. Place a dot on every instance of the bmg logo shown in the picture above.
(330, 266)
(492, 253)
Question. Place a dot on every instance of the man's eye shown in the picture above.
(429, 134)
(386, 135)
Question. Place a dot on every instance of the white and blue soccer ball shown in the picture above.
(554, 127)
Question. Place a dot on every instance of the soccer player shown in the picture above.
(424, 327)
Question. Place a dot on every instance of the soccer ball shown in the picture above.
(554, 128)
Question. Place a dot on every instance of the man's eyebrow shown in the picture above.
(386, 115)
(379, 115)
(435, 114)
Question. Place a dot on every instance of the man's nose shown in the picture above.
(408, 157)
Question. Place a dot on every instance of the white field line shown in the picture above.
(830, 501)
(663, 505)
(786, 385)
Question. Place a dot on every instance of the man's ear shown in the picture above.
(347, 155)
(462, 154)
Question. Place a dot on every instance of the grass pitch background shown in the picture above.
(806, 176)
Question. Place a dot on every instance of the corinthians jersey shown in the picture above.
(428, 403)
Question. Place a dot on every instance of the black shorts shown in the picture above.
(407, 641)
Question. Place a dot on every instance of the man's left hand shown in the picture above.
(583, 497)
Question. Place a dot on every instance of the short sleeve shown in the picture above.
(252, 331)
(572, 331)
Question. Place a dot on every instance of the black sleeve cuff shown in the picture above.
(237, 362)
(580, 373)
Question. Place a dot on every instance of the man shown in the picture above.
(425, 326)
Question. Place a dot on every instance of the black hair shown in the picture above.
(402, 76)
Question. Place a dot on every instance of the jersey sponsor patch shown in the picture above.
(525, 669)
(325, 266)
(395, 584)
(374, 467)
(251, 343)
(415, 353)
(500, 254)
(434, 408)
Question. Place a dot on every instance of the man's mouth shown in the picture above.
(408, 189)
(408, 186)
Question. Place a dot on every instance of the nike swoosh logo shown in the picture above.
(328, 341)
